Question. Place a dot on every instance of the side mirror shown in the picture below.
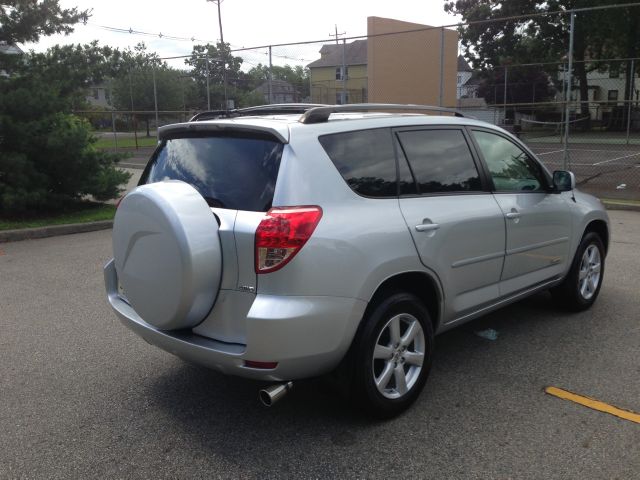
(563, 181)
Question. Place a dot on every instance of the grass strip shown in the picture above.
(126, 142)
(85, 214)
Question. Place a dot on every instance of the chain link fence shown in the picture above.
(576, 108)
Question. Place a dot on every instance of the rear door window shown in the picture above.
(235, 172)
(440, 160)
(365, 159)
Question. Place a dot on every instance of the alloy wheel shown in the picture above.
(589, 273)
(398, 356)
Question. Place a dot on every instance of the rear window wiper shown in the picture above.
(214, 202)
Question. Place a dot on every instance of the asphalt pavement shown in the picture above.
(83, 397)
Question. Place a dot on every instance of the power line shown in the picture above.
(194, 39)
(161, 35)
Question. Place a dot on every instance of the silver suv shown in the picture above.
(286, 242)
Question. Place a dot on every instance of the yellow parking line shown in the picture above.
(594, 404)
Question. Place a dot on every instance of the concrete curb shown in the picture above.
(52, 231)
(621, 206)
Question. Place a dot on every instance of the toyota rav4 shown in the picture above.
(285, 242)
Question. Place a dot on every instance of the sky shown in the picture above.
(245, 23)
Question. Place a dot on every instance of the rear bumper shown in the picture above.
(307, 336)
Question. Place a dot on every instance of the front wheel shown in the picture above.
(582, 285)
(392, 355)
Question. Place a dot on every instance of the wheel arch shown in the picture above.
(601, 228)
(420, 284)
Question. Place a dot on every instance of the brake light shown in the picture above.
(282, 233)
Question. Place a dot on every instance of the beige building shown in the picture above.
(399, 63)
(405, 67)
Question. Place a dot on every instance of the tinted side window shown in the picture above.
(365, 159)
(229, 172)
(511, 169)
(440, 160)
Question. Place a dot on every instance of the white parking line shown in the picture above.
(574, 164)
(548, 153)
(573, 149)
(617, 158)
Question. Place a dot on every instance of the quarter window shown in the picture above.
(511, 168)
(440, 160)
(365, 159)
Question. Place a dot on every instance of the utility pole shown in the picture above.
(222, 54)
(343, 68)
(208, 89)
(270, 77)
(337, 35)
(155, 100)
(565, 159)
(135, 124)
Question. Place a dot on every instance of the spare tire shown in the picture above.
(167, 254)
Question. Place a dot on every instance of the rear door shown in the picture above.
(456, 224)
(538, 221)
(235, 172)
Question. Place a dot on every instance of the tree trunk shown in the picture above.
(146, 119)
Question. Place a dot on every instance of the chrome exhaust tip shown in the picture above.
(270, 395)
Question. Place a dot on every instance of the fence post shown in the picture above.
(506, 75)
(155, 97)
(630, 99)
(135, 124)
(208, 90)
(224, 80)
(115, 135)
(270, 77)
(441, 92)
(344, 71)
(565, 159)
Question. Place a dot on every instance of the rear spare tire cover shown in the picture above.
(167, 254)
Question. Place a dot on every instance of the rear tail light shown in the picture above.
(282, 233)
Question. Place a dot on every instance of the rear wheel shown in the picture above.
(392, 355)
(581, 287)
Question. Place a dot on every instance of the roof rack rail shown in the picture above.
(271, 109)
(321, 114)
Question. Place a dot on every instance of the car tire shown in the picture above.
(581, 286)
(391, 356)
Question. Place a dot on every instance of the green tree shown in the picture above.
(219, 64)
(133, 83)
(26, 21)
(298, 76)
(545, 38)
(526, 84)
(48, 155)
(73, 68)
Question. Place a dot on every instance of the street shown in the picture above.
(83, 397)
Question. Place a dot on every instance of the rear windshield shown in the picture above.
(236, 172)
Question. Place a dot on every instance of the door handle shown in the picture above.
(512, 215)
(427, 227)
